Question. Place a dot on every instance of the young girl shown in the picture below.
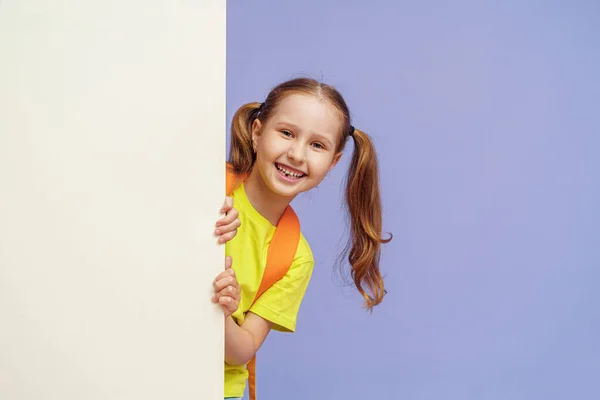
(284, 147)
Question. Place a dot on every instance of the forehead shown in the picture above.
(309, 113)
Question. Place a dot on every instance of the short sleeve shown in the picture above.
(281, 302)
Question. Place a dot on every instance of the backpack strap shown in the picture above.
(280, 257)
(232, 180)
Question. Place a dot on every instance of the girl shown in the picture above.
(284, 147)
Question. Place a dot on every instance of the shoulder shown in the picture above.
(304, 259)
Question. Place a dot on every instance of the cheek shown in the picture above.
(320, 164)
(265, 155)
(268, 149)
(264, 152)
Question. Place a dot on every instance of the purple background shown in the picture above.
(486, 116)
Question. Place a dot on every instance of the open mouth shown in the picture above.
(288, 173)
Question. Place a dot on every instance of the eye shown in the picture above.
(286, 133)
(319, 146)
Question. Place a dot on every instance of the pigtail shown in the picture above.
(241, 152)
(364, 206)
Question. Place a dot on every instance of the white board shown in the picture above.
(112, 151)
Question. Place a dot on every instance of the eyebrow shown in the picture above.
(318, 135)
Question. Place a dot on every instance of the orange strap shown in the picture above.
(280, 257)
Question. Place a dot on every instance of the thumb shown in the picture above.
(227, 205)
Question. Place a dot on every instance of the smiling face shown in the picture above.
(297, 145)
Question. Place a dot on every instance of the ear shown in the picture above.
(256, 127)
(336, 159)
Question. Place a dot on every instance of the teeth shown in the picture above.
(288, 173)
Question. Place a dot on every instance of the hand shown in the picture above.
(227, 289)
(228, 225)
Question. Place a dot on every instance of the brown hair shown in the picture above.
(362, 184)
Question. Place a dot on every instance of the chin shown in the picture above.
(285, 191)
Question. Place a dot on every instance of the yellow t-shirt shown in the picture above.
(278, 304)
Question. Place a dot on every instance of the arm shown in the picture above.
(242, 342)
(275, 309)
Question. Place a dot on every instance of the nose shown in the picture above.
(296, 153)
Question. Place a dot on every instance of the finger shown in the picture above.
(220, 286)
(224, 282)
(227, 272)
(226, 300)
(229, 291)
(227, 277)
(227, 205)
(228, 269)
(230, 217)
(230, 304)
(229, 226)
(226, 295)
(227, 237)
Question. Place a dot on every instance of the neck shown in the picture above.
(268, 204)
